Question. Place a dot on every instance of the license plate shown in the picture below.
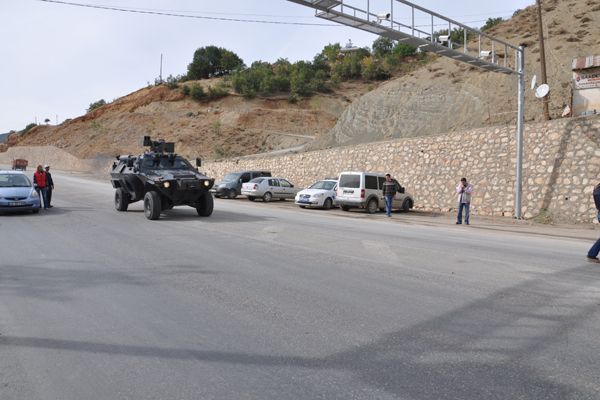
(16, 203)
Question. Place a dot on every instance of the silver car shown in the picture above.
(268, 188)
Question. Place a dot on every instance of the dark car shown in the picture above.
(231, 185)
(162, 179)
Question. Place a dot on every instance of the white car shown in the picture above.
(268, 188)
(319, 194)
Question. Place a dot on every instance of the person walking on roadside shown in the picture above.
(464, 190)
(389, 191)
(39, 183)
(592, 255)
(49, 185)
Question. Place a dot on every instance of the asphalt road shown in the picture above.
(264, 301)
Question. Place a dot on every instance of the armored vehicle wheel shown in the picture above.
(152, 205)
(327, 204)
(121, 200)
(205, 205)
(372, 206)
(231, 194)
(267, 197)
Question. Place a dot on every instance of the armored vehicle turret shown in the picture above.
(162, 179)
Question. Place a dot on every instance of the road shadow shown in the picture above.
(484, 350)
(57, 284)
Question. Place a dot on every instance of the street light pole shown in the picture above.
(520, 126)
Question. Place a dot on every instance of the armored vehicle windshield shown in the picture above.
(165, 162)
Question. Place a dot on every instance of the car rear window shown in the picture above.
(370, 182)
(257, 180)
(349, 181)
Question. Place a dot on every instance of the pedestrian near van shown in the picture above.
(49, 185)
(39, 183)
(389, 191)
(592, 255)
(464, 190)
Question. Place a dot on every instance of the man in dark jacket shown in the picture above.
(592, 255)
(49, 185)
(389, 191)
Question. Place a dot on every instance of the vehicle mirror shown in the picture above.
(130, 162)
(198, 162)
(291, 185)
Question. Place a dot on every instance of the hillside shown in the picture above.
(442, 96)
(231, 126)
(449, 96)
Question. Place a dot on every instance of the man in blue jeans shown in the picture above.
(389, 191)
(592, 255)
(463, 190)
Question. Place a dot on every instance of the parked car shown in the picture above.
(231, 185)
(319, 194)
(364, 190)
(269, 188)
(17, 192)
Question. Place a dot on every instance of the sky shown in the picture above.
(56, 59)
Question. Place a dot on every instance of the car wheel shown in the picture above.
(406, 205)
(231, 194)
(267, 197)
(372, 206)
(251, 198)
(121, 199)
(206, 205)
(152, 205)
(327, 204)
(345, 208)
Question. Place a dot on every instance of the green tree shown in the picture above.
(96, 104)
(382, 46)
(212, 61)
(491, 22)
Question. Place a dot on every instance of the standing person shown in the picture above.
(49, 185)
(39, 183)
(592, 255)
(464, 190)
(389, 190)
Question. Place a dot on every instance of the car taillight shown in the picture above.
(362, 193)
(255, 187)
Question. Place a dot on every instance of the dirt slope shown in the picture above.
(231, 126)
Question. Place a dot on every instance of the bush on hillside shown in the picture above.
(491, 22)
(197, 92)
(96, 104)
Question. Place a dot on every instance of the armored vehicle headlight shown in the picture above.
(167, 184)
(206, 183)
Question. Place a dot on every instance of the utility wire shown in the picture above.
(178, 14)
(184, 15)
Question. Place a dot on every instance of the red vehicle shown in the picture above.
(19, 164)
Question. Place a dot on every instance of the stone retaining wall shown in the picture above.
(561, 167)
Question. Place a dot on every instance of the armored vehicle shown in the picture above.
(162, 179)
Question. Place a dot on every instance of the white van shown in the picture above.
(365, 190)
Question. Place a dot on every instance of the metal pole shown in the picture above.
(520, 124)
(160, 73)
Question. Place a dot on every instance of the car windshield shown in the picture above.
(14, 180)
(350, 181)
(231, 178)
(165, 162)
(325, 185)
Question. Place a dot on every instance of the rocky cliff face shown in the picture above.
(449, 96)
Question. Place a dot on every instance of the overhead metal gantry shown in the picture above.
(414, 25)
